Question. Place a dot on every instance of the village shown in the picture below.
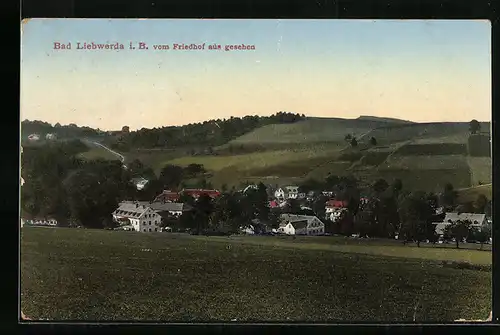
(154, 216)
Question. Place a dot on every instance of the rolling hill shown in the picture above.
(425, 156)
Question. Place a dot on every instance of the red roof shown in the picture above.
(336, 204)
(168, 196)
(199, 192)
(273, 204)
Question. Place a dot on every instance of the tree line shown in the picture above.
(206, 134)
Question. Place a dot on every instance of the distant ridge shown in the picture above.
(383, 119)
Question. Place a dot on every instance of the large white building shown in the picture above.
(139, 217)
(477, 221)
(287, 192)
(301, 225)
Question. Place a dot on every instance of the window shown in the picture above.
(149, 229)
(156, 229)
(156, 222)
(144, 230)
(150, 223)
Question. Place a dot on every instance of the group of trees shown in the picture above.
(354, 142)
(62, 131)
(206, 134)
(73, 191)
(392, 211)
(229, 212)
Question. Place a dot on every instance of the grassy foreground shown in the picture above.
(70, 274)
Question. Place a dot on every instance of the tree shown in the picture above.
(480, 204)
(460, 230)
(171, 176)
(397, 185)
(415, 215)
(373, 141)
(449, 196)
(354, 142)
(474, 126)
(203, 209)
(482, 235)
(380, 186)
(319, 206)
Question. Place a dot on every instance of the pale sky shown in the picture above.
(422, 71)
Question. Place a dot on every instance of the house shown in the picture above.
(287, 192)
(249, 230)
(139, 183)
(477, 220)
(140, 216)
(196, 193)
(174, 209)
(50, 137)
(167, 196)
(313, 225)
(34, 137)
(328, 193)
(334, 209)
(286, 228)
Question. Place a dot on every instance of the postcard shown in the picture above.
(253, 171)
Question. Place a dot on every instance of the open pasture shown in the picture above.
(73, 274)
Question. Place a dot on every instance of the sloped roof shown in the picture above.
(168, 206)
(294, 218)
(299, 224)
(464, 216)
(131, 209)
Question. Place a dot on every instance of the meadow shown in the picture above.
(79, 274)
(95, 152)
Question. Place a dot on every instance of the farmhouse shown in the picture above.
(334, 209)
(302, 224)
(167, 196)
(139, 183)
(287, 192)
(141, 217)
(477, 220)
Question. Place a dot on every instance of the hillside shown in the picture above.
(311, 130)
(62, 131)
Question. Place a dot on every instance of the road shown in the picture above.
(120, 156)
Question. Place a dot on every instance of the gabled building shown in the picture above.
(312, 226)
(287, 192)
(170, 209)
(167, 196)
(477, 221)
(137, 215)
(334, 209)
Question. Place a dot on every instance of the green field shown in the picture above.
(471, 193)
(95, 152)
(73, 274)
(309, 131)
(481, 170)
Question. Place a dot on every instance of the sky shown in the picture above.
(424, 71)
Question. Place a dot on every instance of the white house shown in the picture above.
(34, 137)
(287, 192)
(249, 230)
(303, 224)
(477, 220)
(140, 183)
(50, 137)
(141, 217)
(286, 228)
